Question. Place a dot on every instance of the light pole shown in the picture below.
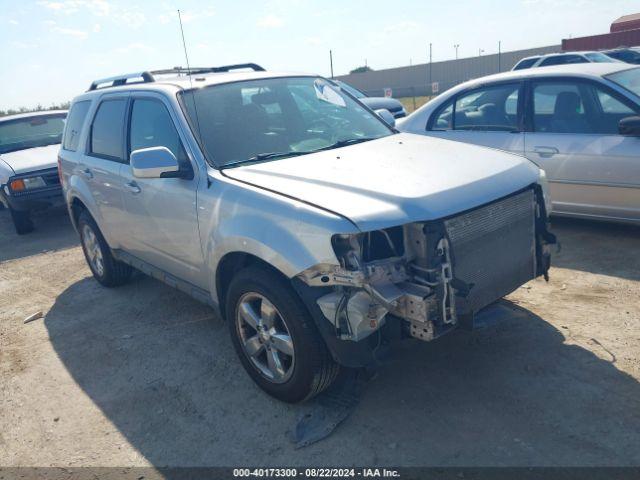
(430, 72)
(331, 62)
(499, 56)
(456, 47)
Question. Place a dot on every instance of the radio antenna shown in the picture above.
(193, 96)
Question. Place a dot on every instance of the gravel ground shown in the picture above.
(143, 375)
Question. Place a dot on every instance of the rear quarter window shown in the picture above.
(75, 121)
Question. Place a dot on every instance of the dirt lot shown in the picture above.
(144, 375)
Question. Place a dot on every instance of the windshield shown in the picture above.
(597, 57)
(629, 79)
(352, 90)
(260, 120)
(31, 132)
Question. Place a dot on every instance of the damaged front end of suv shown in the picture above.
(425, 278)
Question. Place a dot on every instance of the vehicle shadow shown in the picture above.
(53, 231)
(597, 247)
(163, 371)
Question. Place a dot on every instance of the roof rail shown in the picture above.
(196, 70)
(145, 77)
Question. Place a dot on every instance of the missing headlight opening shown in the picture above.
(433, 274)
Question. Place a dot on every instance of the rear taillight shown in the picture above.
(60, 171)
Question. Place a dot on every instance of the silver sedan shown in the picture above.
(580, 123)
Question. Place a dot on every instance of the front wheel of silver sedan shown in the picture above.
(275, 337)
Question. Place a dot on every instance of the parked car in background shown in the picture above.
(318, 231)
(375, 103)
(29, 144)
(578, 122)
(628, 55)
(565, 58)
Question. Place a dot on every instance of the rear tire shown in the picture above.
(299, 376)
(21, 221)
(106, 269)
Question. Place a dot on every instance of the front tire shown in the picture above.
(21, 221)
(275, 337)
(106, 269)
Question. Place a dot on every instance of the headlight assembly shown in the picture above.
(28, 183)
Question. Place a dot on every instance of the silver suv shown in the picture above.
(320, 233)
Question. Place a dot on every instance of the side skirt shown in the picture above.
(196, 293)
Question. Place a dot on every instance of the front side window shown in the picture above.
(491, 108)
(577, 107)
(558, 108)
(152, 126)
(266, 119)
(75, 121)
(31, 132)
(107, 130)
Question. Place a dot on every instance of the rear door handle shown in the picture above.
(133, 187)
(87, 173)
(546, 151)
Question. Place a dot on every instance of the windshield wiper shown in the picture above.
(273, 155)
(348, 141)
(263, 156)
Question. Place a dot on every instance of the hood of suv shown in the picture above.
(394, 180)
(31, 159)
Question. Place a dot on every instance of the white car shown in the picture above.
(564, 58)
(29, 144)
(577, 122)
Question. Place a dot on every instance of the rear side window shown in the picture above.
(107, 128)
(75, 120)
(526, 63)
(152, 126)
(563, 60)
(489, 109)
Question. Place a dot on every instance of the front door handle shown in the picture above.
(546, 151)
(133, 187)
(87, 173)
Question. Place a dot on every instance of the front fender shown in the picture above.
(287, 234)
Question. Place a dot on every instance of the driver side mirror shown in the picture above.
(154, 162)
(629, 126)
(385, 115)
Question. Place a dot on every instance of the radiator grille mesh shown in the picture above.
(493, 248)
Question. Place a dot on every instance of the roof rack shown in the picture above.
(144, 77)
(147, 77)
(196, 70)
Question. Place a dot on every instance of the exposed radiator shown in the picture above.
(493, 248)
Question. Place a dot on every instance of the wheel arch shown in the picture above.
(232, 263)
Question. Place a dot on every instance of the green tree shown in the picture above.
(362, 69)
